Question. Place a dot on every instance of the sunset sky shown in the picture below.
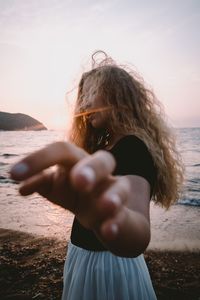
(45, 45)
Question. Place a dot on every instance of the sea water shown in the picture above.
(16, 144)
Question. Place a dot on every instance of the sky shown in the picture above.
(45, 45)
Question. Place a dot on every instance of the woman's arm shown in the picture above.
(128, 233)
(126, 229)
(116, 208)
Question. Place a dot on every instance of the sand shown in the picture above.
(31, 268)
(34, 235)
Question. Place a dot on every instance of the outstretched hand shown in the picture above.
(79, 182)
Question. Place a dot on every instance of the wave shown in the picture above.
(189, 202)
(194, 180)
(3, 163)
(4, 179)
(9, 154)
(194, 190)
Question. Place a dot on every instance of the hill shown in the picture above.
(18, 121)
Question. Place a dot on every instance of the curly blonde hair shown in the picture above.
(135, 111)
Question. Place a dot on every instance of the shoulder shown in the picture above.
(133, 158)
(129, 142)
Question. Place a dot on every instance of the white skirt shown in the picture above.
(100, 275)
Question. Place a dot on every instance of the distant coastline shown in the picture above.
(19, 121)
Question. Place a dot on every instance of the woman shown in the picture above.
(108, 191)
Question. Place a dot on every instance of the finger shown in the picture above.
(91, 170)
(56, 153)
(110, 229)
(40, 183)
(117, 193)
(115, 196)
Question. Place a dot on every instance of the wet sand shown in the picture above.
(176, 229)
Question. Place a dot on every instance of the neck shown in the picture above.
(113, 140)
(108, 138)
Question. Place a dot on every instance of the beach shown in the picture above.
(177, 229)
(33, 243)
(34, 232)
(31, 268)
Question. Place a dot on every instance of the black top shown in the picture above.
(132, 158)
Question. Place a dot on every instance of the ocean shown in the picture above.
(16, 144)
